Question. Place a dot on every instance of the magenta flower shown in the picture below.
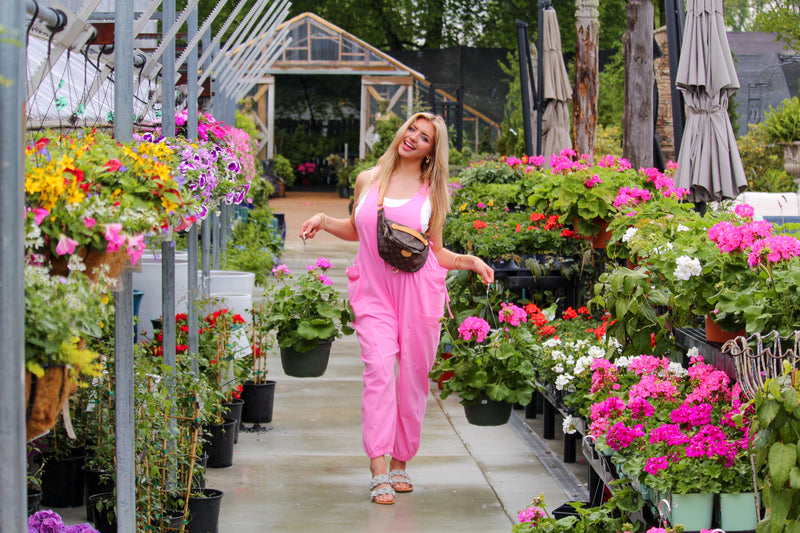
(620, 436)
(39, 214)
(114, 237)
(654, 465)
(325, 279)
(322, 263)
(744, 211)
(280, 271)
(65, 245)
(135, 247)
(473, 326)
(89, 222)
(512, 314)
(592, 181)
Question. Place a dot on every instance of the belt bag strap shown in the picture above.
(396, 226)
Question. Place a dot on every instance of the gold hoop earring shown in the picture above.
(428, 160)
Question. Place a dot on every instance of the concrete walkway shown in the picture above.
(308, 472)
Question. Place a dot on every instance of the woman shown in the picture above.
(397, 313)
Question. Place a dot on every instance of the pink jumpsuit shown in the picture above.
(397, 322)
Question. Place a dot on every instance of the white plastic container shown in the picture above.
(237, 303)
(231, 281)
(149, 281)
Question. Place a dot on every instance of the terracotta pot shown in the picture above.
(714, 333)
(600, 239)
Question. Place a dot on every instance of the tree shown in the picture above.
(637, 117)
(780, 16)
(584, 97)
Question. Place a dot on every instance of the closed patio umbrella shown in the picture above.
(556, 89)
(709, 165)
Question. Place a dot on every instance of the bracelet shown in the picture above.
(457, 262)
(323, 220)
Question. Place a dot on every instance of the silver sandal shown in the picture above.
(403, 478)
(382, 479)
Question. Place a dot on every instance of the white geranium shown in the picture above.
(681, 227)
(622, 362)
(563, 380)
(583, 363)
(551, 343)
(692, 352)
(596, 352)
(558, 368)
(630, 233)
(676, 369)
(569, 426)
(686, 267)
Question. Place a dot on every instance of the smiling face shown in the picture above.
(418, 140)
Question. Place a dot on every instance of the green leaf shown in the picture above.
(782, 457)
(767, 412)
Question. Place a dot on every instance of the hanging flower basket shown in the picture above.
(44, 397)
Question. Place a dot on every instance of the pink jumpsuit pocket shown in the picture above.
(353, 274)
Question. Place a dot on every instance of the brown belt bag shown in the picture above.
(402, 247)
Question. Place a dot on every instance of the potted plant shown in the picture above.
(490, 369)
(48, 521)
(306, 314)
(60, 313)
(783, 127)
(258, 392)
(582, 193)
(92, 197)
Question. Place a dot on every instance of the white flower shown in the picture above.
(630, 233)
(551, 343)
(676, 369)
(692, 352)
(557, 354)
(569, 425)
(686, 267)
(583, 363)
(559, 368)
(596, 352)
(623, 362)
(563, 380)
(681, 227)
(614, 343)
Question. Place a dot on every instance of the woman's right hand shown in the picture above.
(311, 227)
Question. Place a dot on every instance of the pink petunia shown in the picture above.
(135, 247)
(39, 214)
(89, 222)
(65, 245)
(113, 236)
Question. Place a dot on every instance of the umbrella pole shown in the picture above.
(526, 82)
(543, 4)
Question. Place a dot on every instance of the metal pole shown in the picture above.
(675, 21)
(205, 257)
(54, 18)
(540, 74)
(525, 84)
(191, 133)
(13, 499)
(168, 74)
(215, 237)
(123, 301)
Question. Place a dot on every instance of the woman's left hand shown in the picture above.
(483, 270)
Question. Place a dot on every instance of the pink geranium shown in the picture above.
(473, 326)
(512, 314)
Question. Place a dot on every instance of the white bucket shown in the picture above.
(236, 303)
(149, 281)
(231, 281)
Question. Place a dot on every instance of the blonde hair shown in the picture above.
(434, 174)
